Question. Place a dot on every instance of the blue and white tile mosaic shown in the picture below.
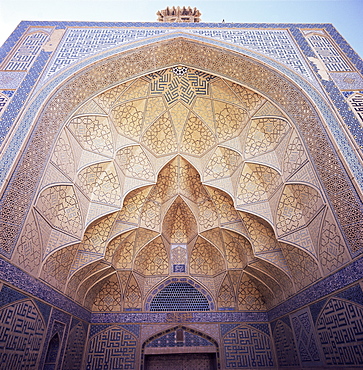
(356, 103)
(176, 317)
(347, 80)
(23, 57)
(276, 44)
(11, 80)
(79, 43)
(328, 53)
(342, 278)
(18, 278)
(17, 102)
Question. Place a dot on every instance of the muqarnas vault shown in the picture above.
(180, 194)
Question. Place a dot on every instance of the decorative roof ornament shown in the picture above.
(178, 14)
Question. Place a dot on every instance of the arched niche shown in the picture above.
(235, 69)
(179, 341)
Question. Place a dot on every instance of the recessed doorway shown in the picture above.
(181, 361)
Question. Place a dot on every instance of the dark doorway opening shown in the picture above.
(181, 361)
(52, 353)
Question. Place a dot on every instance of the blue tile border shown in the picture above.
(316, 307)
(345, 47)
(353, 294)
(8, 295)
(342, 278)
(21, 95)
(21, 280)
(225, 328)
(191, 317)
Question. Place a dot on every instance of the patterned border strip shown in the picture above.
(21, 95)
(178, 317)
(342, 278)
(80, 43)
(21, 280)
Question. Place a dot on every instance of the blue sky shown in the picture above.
(345, 15)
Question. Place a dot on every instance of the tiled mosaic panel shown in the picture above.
(75, 346)
(17, 101)
(356, 103)
(306, 342)
(276, 44)
(23, 57)
(328, 53)
(55, 339)
(329, 332)
(285, 346)
(247, 348)
(114, 348)
(340, 331)
(13, 75)
(336, 66)
(20, 321)
(80, 43)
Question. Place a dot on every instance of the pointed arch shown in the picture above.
(202, 340)
(98, 347)
(347, 350)
(32, 324)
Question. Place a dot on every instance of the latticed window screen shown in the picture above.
(179, 296)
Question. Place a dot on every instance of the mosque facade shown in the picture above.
(180, 195)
